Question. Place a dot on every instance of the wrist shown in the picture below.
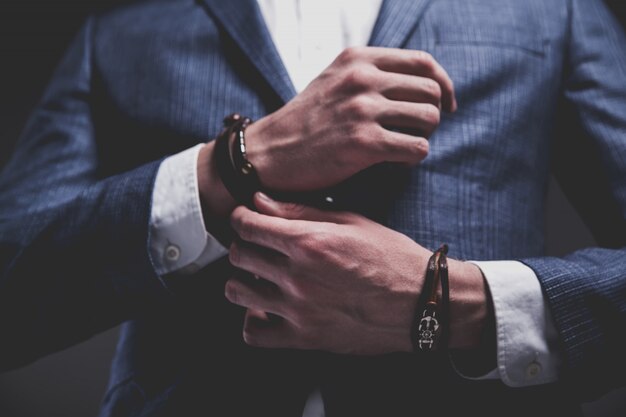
(216, 201)
(257, 150)
(469, 301)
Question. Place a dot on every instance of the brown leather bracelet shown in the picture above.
(430, 328)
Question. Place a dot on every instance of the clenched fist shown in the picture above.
(371, 105)
(350, 118)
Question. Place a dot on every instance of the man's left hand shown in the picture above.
(337, 281)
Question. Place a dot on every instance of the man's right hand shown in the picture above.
(347, 119)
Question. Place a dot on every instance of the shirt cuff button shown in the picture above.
(172, 253)
(533, 370)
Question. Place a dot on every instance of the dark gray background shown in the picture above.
(33, 34)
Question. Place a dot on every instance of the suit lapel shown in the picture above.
(244, 23)
(396, 20)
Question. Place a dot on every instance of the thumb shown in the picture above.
(294, 211)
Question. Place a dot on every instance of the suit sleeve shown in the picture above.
(74, 259)
(586, 290)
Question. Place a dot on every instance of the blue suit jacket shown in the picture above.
(155, 77)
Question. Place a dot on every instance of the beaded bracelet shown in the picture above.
(237, 173)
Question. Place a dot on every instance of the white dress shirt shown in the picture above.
(308, 35)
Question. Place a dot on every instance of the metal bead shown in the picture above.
(247, 168)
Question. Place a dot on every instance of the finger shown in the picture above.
(262, 318)
(294, 211)
(259, 260)
(402, 147)
(421, 117)
(416, 63)
(269, 231)
(256, 294)
(402, 87)
(260, 331)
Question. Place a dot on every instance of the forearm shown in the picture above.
(77, 267)
(217, 202)
(469, 312)
(73, 240)
(522, 348)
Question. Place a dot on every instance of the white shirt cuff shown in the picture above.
(314, 406)
(526, 336)
(179, 241)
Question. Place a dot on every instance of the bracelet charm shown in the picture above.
(428, 327)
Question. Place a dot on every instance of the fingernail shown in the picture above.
(264, 197)
(230, 292)
(233, 254)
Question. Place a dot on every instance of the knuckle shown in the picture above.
(243, 225)
(358, 141)
(359, 108)
(311, 245)
(431, 115)
(353, 132)
(424, 58)
(239, 211)
(293, 208)
(291, 291)
(242, 229)
(417, 151)
(358, 77)
(351, 53)
(421, 149)
(433, 89)
(237, 218)
(320, 245)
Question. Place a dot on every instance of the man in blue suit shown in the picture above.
(111, 205)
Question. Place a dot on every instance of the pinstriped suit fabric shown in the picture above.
(155, 77)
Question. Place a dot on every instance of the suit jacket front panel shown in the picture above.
(169, 74)
(489, 160)
(164, 75)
